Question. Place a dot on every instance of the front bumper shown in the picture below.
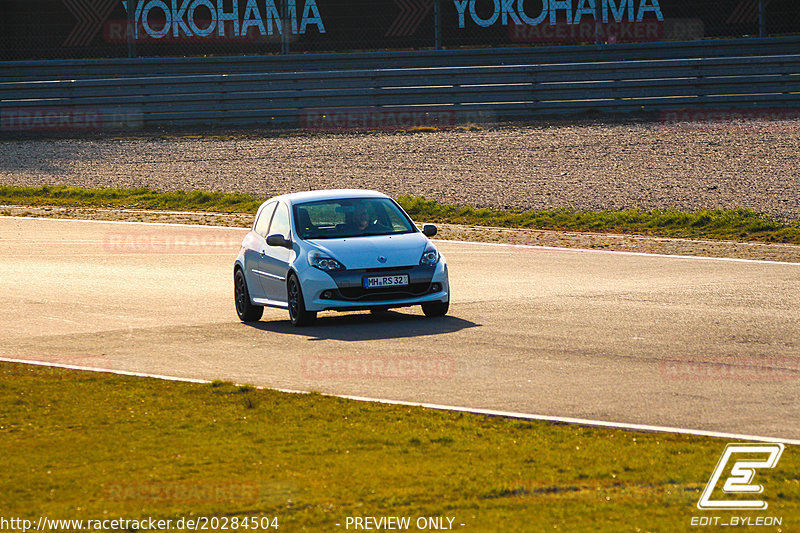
(344, 291)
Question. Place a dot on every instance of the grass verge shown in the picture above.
(736, 224)
(92, 446)
(63, 195)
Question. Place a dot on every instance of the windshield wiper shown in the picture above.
(365, 234)
(316, 237)
(375, 233)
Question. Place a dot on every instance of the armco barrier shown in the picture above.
(503, 91)
(171, 66)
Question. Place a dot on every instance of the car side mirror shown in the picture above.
(429, 230)
(279, 240)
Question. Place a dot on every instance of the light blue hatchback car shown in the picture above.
(337, 250)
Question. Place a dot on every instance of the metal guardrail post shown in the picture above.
(762, 18)
(437, 23)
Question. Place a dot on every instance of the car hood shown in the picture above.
(364, 252)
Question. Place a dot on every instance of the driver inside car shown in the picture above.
(361, 217)
(359, 221)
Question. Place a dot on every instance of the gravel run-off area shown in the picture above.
(589, 166)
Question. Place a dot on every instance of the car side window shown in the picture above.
(280, 222)
(262, 224)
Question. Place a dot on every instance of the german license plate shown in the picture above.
(374, 282)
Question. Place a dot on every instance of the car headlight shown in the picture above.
(430, 256)
(323, 261)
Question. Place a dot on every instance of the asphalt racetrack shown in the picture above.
(680, 342)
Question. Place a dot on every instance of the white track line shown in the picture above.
(527, 246)
(488, 412)
(617, 252)
(168, 224)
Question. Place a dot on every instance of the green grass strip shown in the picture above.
(736, 224)
(92, 446)
(62, 195)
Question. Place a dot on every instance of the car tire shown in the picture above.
(297, 306)
(436, 308)
(244, 308)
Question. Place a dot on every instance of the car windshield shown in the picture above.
(350, 217)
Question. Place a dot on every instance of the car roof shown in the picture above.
(332, 194)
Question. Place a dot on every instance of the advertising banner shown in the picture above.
(51, 29)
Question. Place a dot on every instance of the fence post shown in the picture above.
(437, 23)
(131, 28)
(285, 27)
(762, 18)
(598, 28)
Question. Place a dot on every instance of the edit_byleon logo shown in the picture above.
(747, 459)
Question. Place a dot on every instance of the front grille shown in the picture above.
(398, 293)
(370, 271)
(350, 284)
